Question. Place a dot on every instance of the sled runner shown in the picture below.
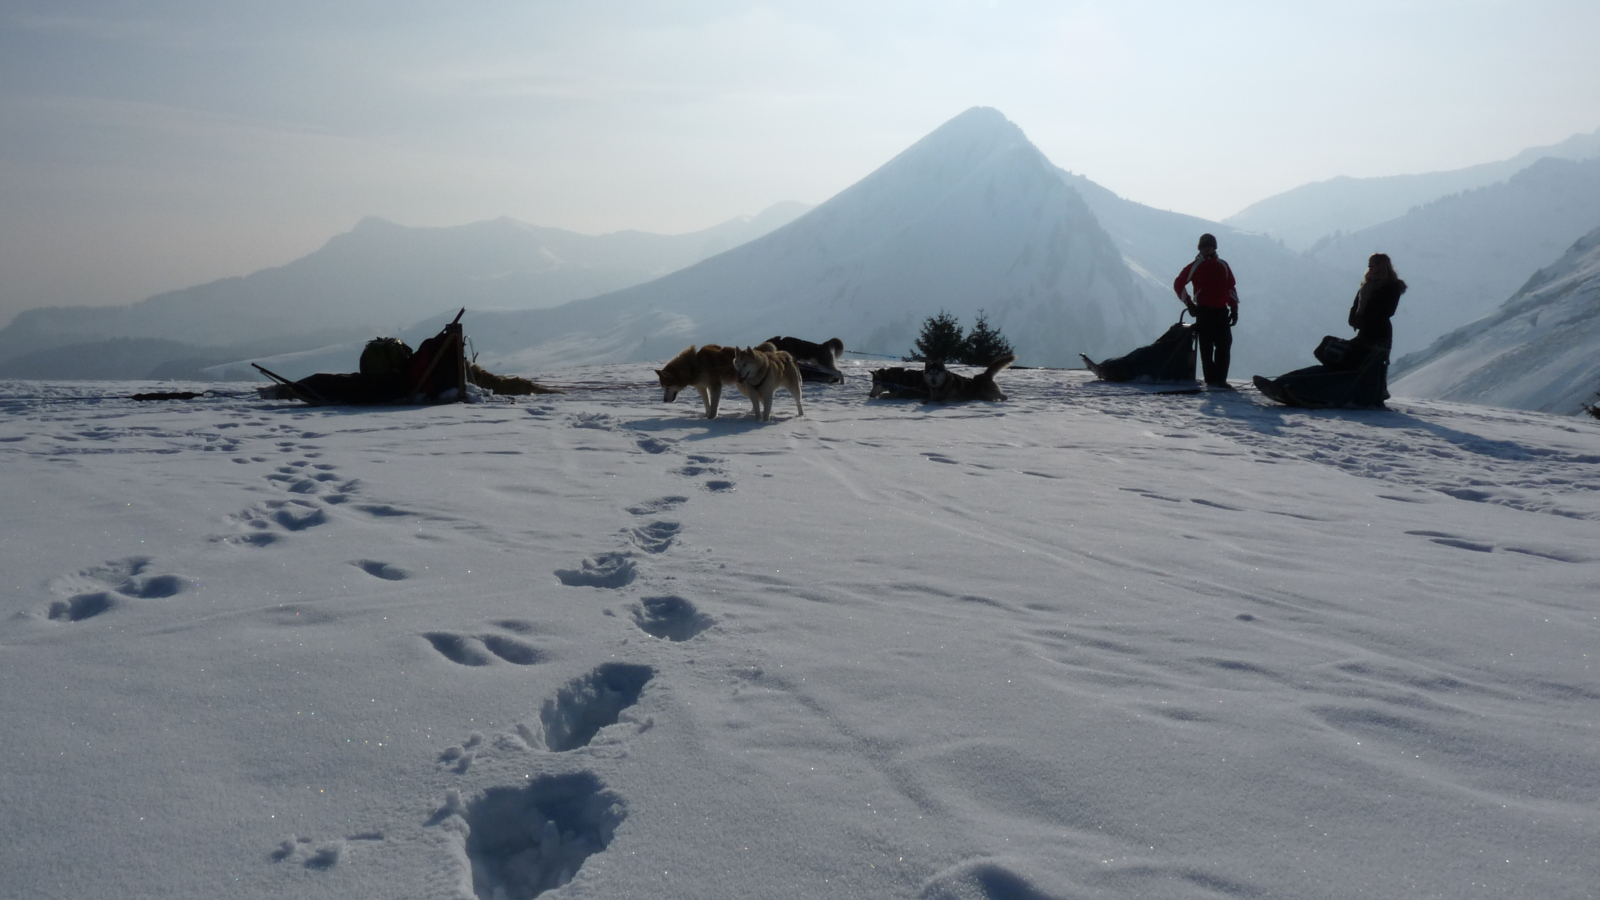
(1170, 358)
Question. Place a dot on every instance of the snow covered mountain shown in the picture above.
(1303, 215)
(1463, 255)
(376, 278)
(1540, 351)
(971, 217)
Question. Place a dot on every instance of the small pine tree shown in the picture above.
(984, 345)
(941, 340)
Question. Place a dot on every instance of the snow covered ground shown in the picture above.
(1093, 642)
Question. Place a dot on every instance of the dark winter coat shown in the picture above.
(1370, 317)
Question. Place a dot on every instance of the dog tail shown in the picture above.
(834, 344)
(997, 365)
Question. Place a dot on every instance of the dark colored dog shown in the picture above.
(817, 362)
(945, 386)
(825, 354)
(899, 383)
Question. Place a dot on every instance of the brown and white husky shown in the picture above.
(761, 371)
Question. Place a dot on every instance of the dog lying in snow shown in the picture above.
(811, 357)
(938, 384)
(945, 386)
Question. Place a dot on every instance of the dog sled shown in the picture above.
(391, 372)
(1349, 374)
(1170, 358)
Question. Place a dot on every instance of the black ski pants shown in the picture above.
(1215, 336)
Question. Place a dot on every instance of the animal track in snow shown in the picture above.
(525, 840)
(655, 537)
(296, 480)
(654, 445)
(381, 570)
(97, 589)
(599, 421)
(719, 487)
(607, 570)
(460, 757)
(468, 650)
(699, 464)
(670, 618)
(323, 856)
(660, 504)
(287, 515)
(578, 711)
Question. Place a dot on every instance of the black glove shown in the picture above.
(1233, 316)
(1193, 310)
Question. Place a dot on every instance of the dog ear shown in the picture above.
(657, 371)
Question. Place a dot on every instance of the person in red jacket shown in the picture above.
(1215, 307)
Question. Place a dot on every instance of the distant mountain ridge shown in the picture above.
(1539, 351)
(1303, 215)
(970, 217)
(377, 278)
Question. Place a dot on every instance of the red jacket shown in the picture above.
(1213, 283)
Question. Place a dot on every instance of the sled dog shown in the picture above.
(761, 371)
(898, 383)
(706, 370)
(824, 355)
(945, 386)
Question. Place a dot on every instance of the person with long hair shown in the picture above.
(1215, 307)
(1353, 372)
(1375, 304)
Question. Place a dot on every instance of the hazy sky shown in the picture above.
(152, 145)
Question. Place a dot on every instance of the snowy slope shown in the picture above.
(971, 217)
(1463, 255)
(1540, 351)
(1302, 216)
(1090, 643)
(381, 276)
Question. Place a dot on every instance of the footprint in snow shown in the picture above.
(582, 707)
(719, 487)
(660, 504)
(482, 650)
(606, 570)
(98, 589)
(523, 840)
(381, 570)
(317, 856)
(655, 537)
(670, 618)
(268, 522)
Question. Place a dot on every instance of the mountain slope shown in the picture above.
(1540, 351)
(380, 276)
(971, 217)
(1463, 255)
(1303, 215)
(1287, 300)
